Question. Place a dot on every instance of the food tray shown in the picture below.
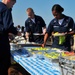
(53, 56)
(67, 61)
(59, 34)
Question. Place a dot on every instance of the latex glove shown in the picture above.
(27, 35)
(44, 30)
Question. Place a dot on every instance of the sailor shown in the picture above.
(60, 24)
(35, 24)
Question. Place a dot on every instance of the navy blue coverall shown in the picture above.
(66, 26)
(6, 26)
(36, 27)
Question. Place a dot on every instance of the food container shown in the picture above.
(15, 46)
(66, 63)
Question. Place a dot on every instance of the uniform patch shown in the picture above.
(66, 25)
(70, 29)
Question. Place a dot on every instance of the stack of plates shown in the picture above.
(38, 34)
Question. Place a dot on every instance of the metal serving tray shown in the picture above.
(67, 61)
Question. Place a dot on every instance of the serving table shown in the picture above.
(38, 61)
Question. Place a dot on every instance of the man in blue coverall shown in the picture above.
(34, 24)
(6, 27)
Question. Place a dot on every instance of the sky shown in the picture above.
(41, 8)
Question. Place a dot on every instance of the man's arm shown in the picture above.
(27, 30)
(43, 25)
(8, 22)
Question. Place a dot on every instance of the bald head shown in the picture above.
(30, 13)
(9, 3)
(30, 9)
(9, 0)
